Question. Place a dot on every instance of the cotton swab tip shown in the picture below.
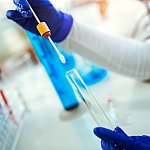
(62, 58)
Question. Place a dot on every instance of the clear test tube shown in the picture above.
(84, 94)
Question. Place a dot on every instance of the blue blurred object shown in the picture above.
(94, 76)
(55, 70)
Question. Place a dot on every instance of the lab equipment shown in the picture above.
(5, 101)
(85, 95)
(9, 130)
(119, 140)
(112, 110)
(55, 69)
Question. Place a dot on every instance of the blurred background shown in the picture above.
(37, 104)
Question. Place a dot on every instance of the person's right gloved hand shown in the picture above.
(59, 23)
(119, 140)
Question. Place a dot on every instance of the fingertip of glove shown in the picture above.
(27, 14)
(105, 134)
(98, 131)
(9, 14)
(95, 130)
(119, 130)
(13, 15)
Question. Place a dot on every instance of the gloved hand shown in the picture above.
(59, 23)
(119, 140)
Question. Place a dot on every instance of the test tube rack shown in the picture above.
(9, 130)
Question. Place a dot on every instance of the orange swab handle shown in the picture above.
(44, 29)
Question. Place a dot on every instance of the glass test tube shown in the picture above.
(84, 94)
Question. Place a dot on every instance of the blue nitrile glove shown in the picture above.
(118, 140)
(59, 23)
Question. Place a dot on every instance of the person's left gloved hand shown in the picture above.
(119, 140)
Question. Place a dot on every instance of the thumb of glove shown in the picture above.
(119, 130)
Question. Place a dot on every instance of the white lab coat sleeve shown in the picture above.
(121, 55)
